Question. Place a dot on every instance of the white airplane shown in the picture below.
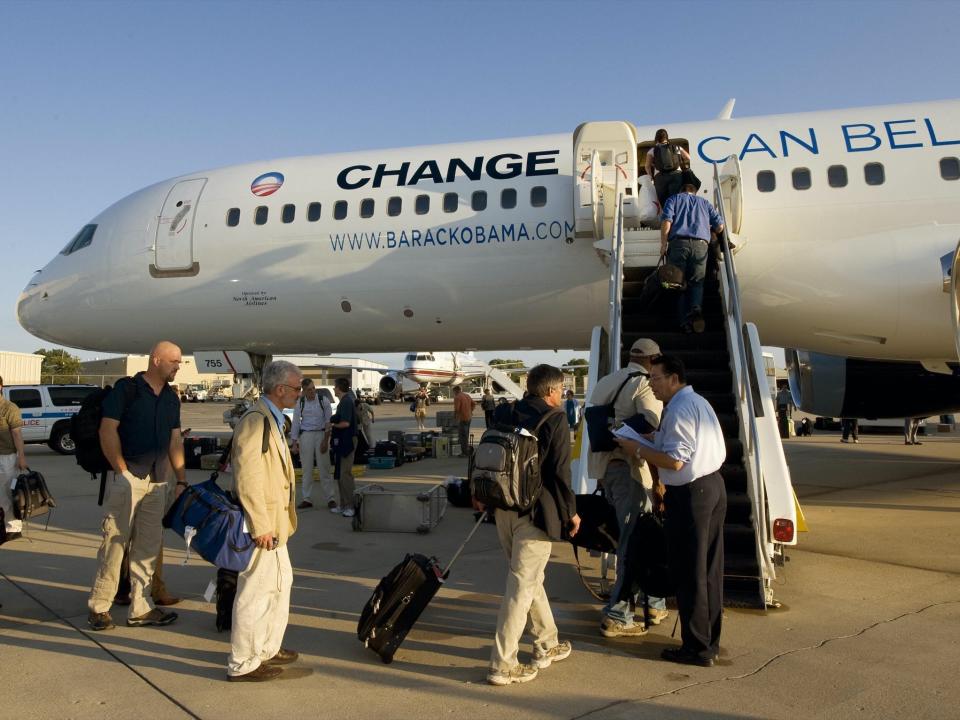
(444, 369)
(847, 224)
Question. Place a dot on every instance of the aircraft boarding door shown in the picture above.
(605, 157)
(731, 189)
(174, 244)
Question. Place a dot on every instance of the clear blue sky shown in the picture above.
(102, 98)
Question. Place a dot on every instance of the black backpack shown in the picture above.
(85, 431)
(666, 158)
(85, 427)
(506, 466)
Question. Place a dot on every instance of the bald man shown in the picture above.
(140, 438)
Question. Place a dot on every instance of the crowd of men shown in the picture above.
(140, 436)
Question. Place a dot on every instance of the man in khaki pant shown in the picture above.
(140, 438)
(526, 539)
(264, 482)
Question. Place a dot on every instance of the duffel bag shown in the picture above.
(212, 524)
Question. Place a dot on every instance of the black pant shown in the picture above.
(695, 515)
(667, 184)
(850, 426)
(488, 417)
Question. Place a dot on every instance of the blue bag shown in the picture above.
(217, 522)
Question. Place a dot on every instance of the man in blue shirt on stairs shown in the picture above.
(685, 226)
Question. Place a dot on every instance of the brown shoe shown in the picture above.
(154, 617)
(283, 657)
(261, 674)
(166, 600)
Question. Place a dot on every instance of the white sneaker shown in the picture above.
(335, 510)
(517, 674)
(658, 616)
(560, 651)
(348, 512)
(611, 628)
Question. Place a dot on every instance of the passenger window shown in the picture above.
(950, 168)
(837, 176)
(450, 202)
(366, 208)
(289, 212)
(478, 201)
(766, 181)
(801, 179)
(313, 211)
(508, 199)
(233, 217)
(394, 206)
(339, 209)
(260, 216)
(421, 205)
(26, 398)
(873, 173)
(538, 196)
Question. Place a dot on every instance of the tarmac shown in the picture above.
(869, 623)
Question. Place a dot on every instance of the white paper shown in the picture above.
(628, 433)
(211, 589)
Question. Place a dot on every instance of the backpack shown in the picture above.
(30, 496)
(665, 157)
(506, 467)
(85, 427)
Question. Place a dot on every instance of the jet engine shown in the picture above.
(833, 386)
(389, 383)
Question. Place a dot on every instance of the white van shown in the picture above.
(46, 411)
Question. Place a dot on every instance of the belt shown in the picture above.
(688, 237)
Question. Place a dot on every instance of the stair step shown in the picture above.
(739, 508)
(744, 592)
(670, 342)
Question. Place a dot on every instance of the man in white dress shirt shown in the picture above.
(689, 451)
(311, 438)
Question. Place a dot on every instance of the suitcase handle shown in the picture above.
(446, 573)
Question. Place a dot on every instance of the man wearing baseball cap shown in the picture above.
(628, 485)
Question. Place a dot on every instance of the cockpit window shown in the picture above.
(412, 356)
(80, 240)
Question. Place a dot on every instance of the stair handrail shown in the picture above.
(743, 385)
(616, 279)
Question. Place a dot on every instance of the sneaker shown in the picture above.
(334, 509)
(154, 617)
(560, 651)
(657, 616)
(13, 536)
(348, 512)
(517, 674)
(844, 440)
(100, 621)
(332, 505)
(611, 628)
(304, 505)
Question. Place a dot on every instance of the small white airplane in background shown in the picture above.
(847, 225)
(429, 368)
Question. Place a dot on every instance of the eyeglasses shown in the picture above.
(295, 389)
(651, 378)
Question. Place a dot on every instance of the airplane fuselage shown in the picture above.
(472, 245)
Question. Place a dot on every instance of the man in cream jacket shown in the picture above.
(264, 483)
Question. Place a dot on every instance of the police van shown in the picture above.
(46, 411)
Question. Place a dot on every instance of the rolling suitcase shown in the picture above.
(400, 598)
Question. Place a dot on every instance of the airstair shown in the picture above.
(506, 385)
(724, 364)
